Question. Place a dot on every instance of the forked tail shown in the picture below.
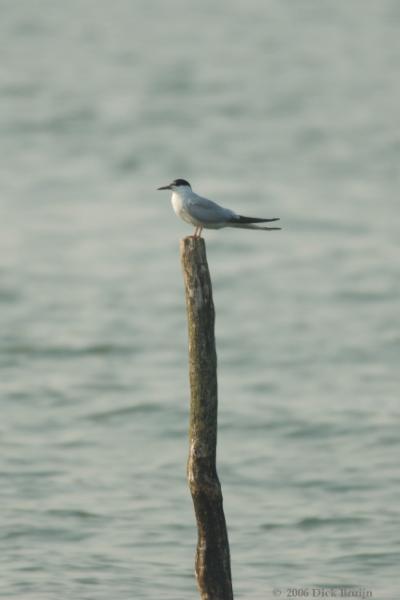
(245, 220)
(252, 226)
(249, 223)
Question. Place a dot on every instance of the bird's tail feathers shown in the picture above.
(245, 220)
(252, 226)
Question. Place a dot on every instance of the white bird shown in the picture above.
(204, 213)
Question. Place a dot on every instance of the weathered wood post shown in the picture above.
(212, 566)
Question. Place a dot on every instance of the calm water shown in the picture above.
(273, 108)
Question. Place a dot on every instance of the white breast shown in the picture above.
(179, 205)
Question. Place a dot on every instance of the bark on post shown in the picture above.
(213, 570)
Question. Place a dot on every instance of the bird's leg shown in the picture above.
(195, 232)
(200, 230)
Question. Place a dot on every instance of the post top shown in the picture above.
(193, 246)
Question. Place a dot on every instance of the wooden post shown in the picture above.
(213, 570)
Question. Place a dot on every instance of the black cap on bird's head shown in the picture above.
(175, 184)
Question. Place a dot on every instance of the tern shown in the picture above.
(206, 214)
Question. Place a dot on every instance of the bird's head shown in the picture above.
(177, 185)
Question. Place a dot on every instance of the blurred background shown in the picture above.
(272, 108)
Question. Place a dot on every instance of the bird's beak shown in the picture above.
(165, 187)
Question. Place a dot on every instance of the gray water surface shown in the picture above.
(272, 108)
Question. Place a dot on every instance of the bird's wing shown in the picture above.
(207, 211)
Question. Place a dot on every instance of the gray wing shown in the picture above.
(207, 211)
